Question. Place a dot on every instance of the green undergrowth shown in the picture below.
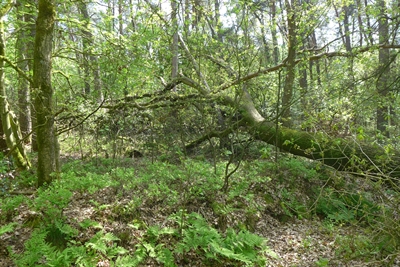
(162, 214)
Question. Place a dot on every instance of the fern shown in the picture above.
(199, 236)
(165, 256)
(104, 243)
(128, 261)
(7, 228)
(158, 252)
(39, 253)
(230, 254)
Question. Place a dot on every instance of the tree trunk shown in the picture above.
(175, 41)
(46, 138)
(22, 47)
(290, 64)
(10, 126)
(90, 61)
(341, 154)
(30, 20)
(275, 46)
(382, 112)
(120, 18)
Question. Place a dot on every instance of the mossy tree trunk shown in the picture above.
(9, 123)
(43, 93)
(342, 154)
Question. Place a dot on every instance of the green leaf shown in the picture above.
(7, 228)
(108, 237)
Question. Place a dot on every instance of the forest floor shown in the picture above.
(276, 206)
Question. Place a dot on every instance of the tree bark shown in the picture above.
(46, 137)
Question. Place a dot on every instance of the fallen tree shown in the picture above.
(348, 154)
(340, 153)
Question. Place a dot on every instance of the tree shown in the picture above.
(175, 40)
(342, 154)
(9, 121)
(24, 49)
(90, 61)
(382, 112)
(287, 97)
(48, 150)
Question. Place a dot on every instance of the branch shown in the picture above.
(195, 65)
(18, 70)
(210, 135)
(309, 58)
(83, 120)
(248, 77)
(231, 72)
(4, 10)
(161, 101)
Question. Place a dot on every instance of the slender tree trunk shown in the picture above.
(217, 19)
(46, 138)
(120, 17)
(382, 112)
(275, 46)
(30, 44)
(346, 26)
(266, 57)
(132, 15)
(290, 64)
(369, 27)
(313, 44)
(361, 27)
(90, 61)
(22, 47)
(175, 41)
(196, 13)
(86, 49)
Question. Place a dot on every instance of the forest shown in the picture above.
(199, 133)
